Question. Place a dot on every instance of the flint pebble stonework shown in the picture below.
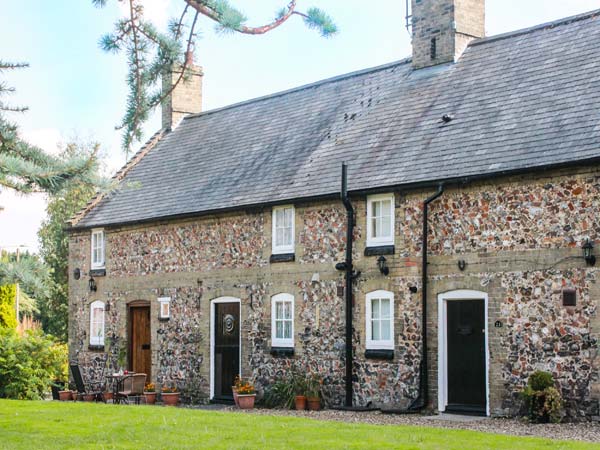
(520, 239)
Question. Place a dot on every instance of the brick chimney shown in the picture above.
(442, 29)
(186, 98)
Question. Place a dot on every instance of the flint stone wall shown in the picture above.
(520, 238)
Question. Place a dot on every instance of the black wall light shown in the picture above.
(588, 248)
(92, 285)
(77, 273)
(381, 263)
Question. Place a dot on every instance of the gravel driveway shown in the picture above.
(589, 432)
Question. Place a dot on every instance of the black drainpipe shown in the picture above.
(348, 291)
(423, 399)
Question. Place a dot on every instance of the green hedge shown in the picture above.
(8, 314)
(29, 364)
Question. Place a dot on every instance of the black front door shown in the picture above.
(227, 348)
(466, 357)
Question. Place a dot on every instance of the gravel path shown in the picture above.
(589, 432)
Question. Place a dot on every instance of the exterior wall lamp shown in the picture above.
(383, 268)
(92, 285)
(588, 248)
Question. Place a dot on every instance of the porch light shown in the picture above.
(164, 311)
(92, 285)
(381, 263)
(587, 248)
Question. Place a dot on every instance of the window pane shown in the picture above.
(385, 308)
(386, 207)
(287, 310)
(279, 237)
(375, 334)
(288, 217)
(375, 308)
(374, 232)
(279, 213)
(287, 329)
(279, 310)
(375, 209)
(385, 330)
(279, 329)
(287, 236)
(385, 226)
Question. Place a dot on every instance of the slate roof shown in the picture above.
(520, 101)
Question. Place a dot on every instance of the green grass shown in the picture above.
(37, 425)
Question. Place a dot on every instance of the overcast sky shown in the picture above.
(73, 89)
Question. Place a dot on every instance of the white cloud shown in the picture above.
(48, 139)
(155, 11)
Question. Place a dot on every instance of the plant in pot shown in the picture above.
(237, 382)
(313, 392)
(170, 395)
(64, 394)
(542, 399)
(300, 387)
(150, 393)
(246, 395)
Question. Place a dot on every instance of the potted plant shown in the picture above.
(300, 391)
(246, 395)
(313, 392)
(64, 394)
(170, 396)
(150, 393)
(237, 381)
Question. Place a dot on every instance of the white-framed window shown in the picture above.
(97, 249)
(282, 320)
(380, 220)
(283, 229)
(97, 323)
(380, 320)
(165, 307)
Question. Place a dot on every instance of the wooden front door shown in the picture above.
(466, 356)
(140, 355)
(226, 348)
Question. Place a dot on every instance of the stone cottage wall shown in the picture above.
(520, 238)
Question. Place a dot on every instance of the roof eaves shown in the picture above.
(119, 176)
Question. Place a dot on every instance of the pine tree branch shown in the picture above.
(204, 8)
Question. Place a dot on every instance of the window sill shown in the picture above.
(100, 272)
(282, 257)
(282, 351)
(97, 348)
(379, 354)
(380, 250)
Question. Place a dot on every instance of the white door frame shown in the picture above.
(443, 300)
(212, 337)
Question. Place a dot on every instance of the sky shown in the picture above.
(75, 91)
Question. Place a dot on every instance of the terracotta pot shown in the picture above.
(88, 397)
(170, 399)
(150, 398)
(235, 396)
(64, 396)
(108, 396)
(300, 402)
(74, 395)
(314, 403)
(246, 401)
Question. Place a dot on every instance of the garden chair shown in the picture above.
(93, 388)
(132, 386)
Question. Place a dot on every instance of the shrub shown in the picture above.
(8, 314)
(282, 393)
(542, 399)
(29, 364)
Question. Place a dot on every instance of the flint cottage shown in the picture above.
(457, 258)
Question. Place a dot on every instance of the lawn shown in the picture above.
(36, 425)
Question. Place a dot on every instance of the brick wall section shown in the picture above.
(452, 23)
(521, 240)
(185, 99)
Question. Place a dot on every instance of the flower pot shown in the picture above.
(150, 398)
(246, 401)
(170, 399)
(300, 402)
(235, 398)
(74, 395)
(88, 397)
(314, 403)
(64, 396)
